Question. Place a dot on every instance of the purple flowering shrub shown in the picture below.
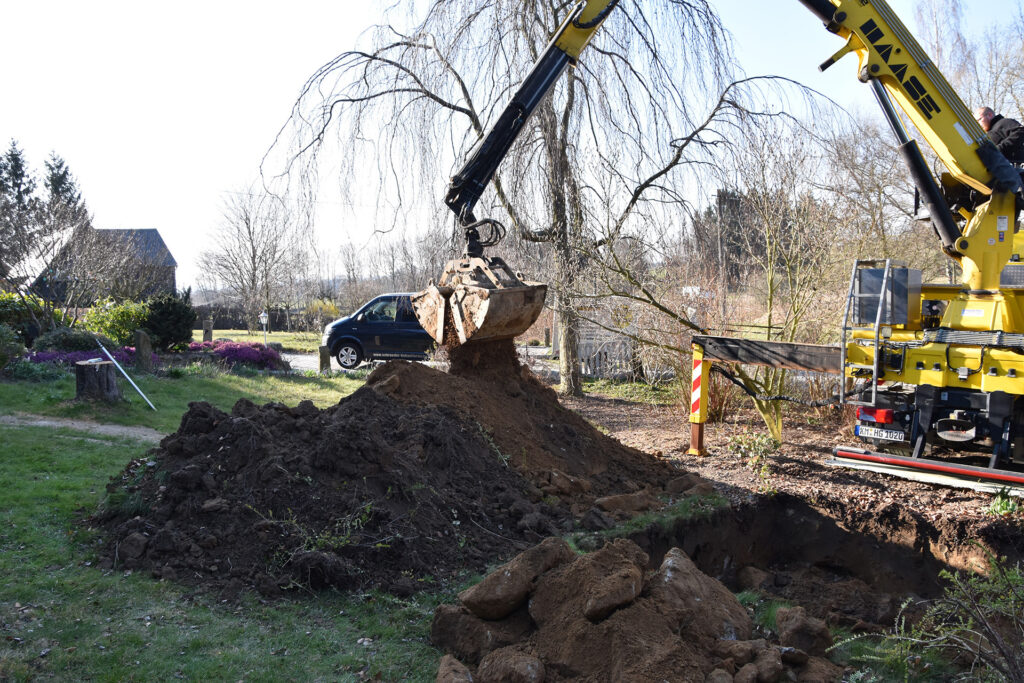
(246, 353)
(125, 356)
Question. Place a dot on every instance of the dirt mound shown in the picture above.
(368, 492)
(418, 475)
(549, 615)
(553, 447)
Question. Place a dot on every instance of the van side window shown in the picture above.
(405, 312)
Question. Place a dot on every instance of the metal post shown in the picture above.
(118, 366)
(698, 401)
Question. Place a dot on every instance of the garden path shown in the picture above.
(145, 434)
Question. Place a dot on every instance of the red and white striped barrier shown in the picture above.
(695, 392)
(698, 401)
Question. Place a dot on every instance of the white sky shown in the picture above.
(159, 110)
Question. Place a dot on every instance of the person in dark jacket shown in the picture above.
(1007, 134)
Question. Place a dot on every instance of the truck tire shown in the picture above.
(349, 355)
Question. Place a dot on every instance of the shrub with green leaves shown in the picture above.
(976, 626)
(1003, 504)
(71, 339)
(11, 345)
(757, 449)
(117, 320)
(749, 444)
(170, 319)
(27, 371)
(980, 619)
(17, 311)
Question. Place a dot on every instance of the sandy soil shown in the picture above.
(143, 434)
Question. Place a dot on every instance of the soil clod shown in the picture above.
(604, 617)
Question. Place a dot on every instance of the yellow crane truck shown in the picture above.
(936, 367)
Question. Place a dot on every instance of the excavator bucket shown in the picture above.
(433, 312)
(478, 299)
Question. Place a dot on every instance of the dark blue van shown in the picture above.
(383, 328)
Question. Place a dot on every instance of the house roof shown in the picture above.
(145, 242)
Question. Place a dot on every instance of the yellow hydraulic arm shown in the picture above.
(894, 63)
(480, 298)
(888, 53)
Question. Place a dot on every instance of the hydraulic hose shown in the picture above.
(938, 209)
(823, 9)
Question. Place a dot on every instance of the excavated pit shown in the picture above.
(787, 548)
(655, 606)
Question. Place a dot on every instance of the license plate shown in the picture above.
(878, 433)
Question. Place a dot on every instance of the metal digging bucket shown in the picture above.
(478, 299)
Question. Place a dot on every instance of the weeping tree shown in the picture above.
(777, 229)
(598, 153)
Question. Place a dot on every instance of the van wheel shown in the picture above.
(349, 356)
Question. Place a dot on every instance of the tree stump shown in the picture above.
(325, 360)
(143, 352)
(96, 380)
(208, 330)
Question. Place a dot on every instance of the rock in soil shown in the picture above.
(800, 631)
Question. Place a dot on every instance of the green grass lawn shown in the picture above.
(63, 618)
(171, 396)
(293, 342)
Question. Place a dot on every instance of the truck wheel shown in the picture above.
(349, 355)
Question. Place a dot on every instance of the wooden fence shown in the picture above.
(606, 356)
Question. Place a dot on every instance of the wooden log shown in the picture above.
(325, 360)
(143, 352)
(97, 380)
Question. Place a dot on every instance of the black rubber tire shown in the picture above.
(348, 355)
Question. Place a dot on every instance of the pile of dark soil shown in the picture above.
(553, 447)
(413, 478)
